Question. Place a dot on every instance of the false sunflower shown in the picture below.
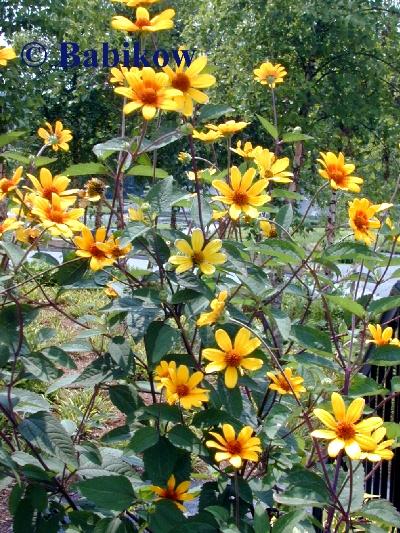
(9, 185)
(58, 138)
(182, 387)
(338, 173)
(247, 151)
(235, 449)
(362, 219)
(6, 54)
(56, 216)
(217, 308)
(177, 494)
(382, 337)
(46, 184)
(143, 22)
(241, 194)
(148, 91)
(95, 248)
(286, 383)
(271, 167)
(229, 128)
(269, 74)
(344, 431)
(136, 3)
(232, 358)
(189, 82)
(380, 452)
(162, 370)
(9, 224)
(197, 254)
(207, 137)
(268, 229)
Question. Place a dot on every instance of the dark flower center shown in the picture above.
(181, 82)
(345, 431)
(234, 447)
(182, 390)
(56, 216)
(96, 252)
(149, 96)
(233, 359)
(141, 23)
(361, 220)
(240, 198)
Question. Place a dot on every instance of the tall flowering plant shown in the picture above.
(237, 412)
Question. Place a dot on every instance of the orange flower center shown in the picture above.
(284, 384)
(181, 82)
(240, 198)
(96, 252)
(149, 96)
(170, 494)
(141, 23)
(337, 175)
(6, 186)
(233, 359)
(2, 228)
(197, 257)
(182, 390)
(56, 216)
(234, 447)
(48, 191)
(345, 431)
(361, 220)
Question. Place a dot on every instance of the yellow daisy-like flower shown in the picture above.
(232, 358)
(148, 91)
(189, 81)
(391, 226)
(27, 235)
(6, 54)
(229, 128)
(9, 224)
(115, 249)
(241, 194)
(58, 138)
(207, 137)
(9, 185)
(162, 371)
(380, 452)
(269, 74)
(362, 219)
(192, 176)
(143, 22)
(184, 157)
(177, 494)
(217, 305)
(94, 190)
(380, 337)
(46, 184)
(95, 248)
(110, 291)
(286, 383)
(198, 255)
(136, 3)
(344, 431)
(268, 229)
(56, 216)
(136, 215)
(235, 449)
(182, 387)
(271, 167)
(247, 152)
(338, 173)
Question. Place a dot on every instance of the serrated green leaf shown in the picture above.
(347, 304)
(108, 492)
(269, 127)
(86, 169)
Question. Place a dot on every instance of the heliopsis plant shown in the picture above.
(191, 306)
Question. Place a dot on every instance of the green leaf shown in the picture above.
(43, 430)
(388, 355)
(314, 339)
(305, 488)
(143, 438)
(164, 459)
(384, 304)
(182, 437)
(364, 386)
(14, 252)
(382, 512)
(310, 359)
(164, 194)
(284, 217)
(113, 525)
(213, 111)
(287, 522)
(146, 170)
(108, 492)
(86, 169)
(261, 521)
(124, 397)
(10, 137)
(185, 295)
(164, 139)
(295, 137)
(347, 304)
(166, 518)
(212, 417)
(121, 353)
(16, 156)
(159, 340)
(269, 127)
(42, 161)
(282, 321)
(104, 150)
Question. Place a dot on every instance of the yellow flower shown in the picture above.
(46, 185)
(270, 74)
(6, 54)
(207, 137)
(182, 387)
(227, 129)
(115, 250)
(271, 167)
(136, 3)
(177, 494)
(94, 248)
(8, 185)
(247, 152)
(136, 215)
(235, 449)
(268, 229)
(286, 383)
(362, 219)
(9, 224)
(380, 337)
(232, 357)
(56, 216)
(217, 305)
(94, 190)
(207, 171)
(189, 81)
(344, 431)
(380, 452)
(27, 235)
(184, 157)
(241, 194)
(58, 138)
(391, 226)
(338, 173)
(217, 215)
(143, 22)
(110, 291)
(148, 91)
(162, 371)
(196, 254)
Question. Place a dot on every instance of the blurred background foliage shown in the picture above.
(342, 87)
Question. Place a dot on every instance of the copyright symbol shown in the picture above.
(33, 54)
